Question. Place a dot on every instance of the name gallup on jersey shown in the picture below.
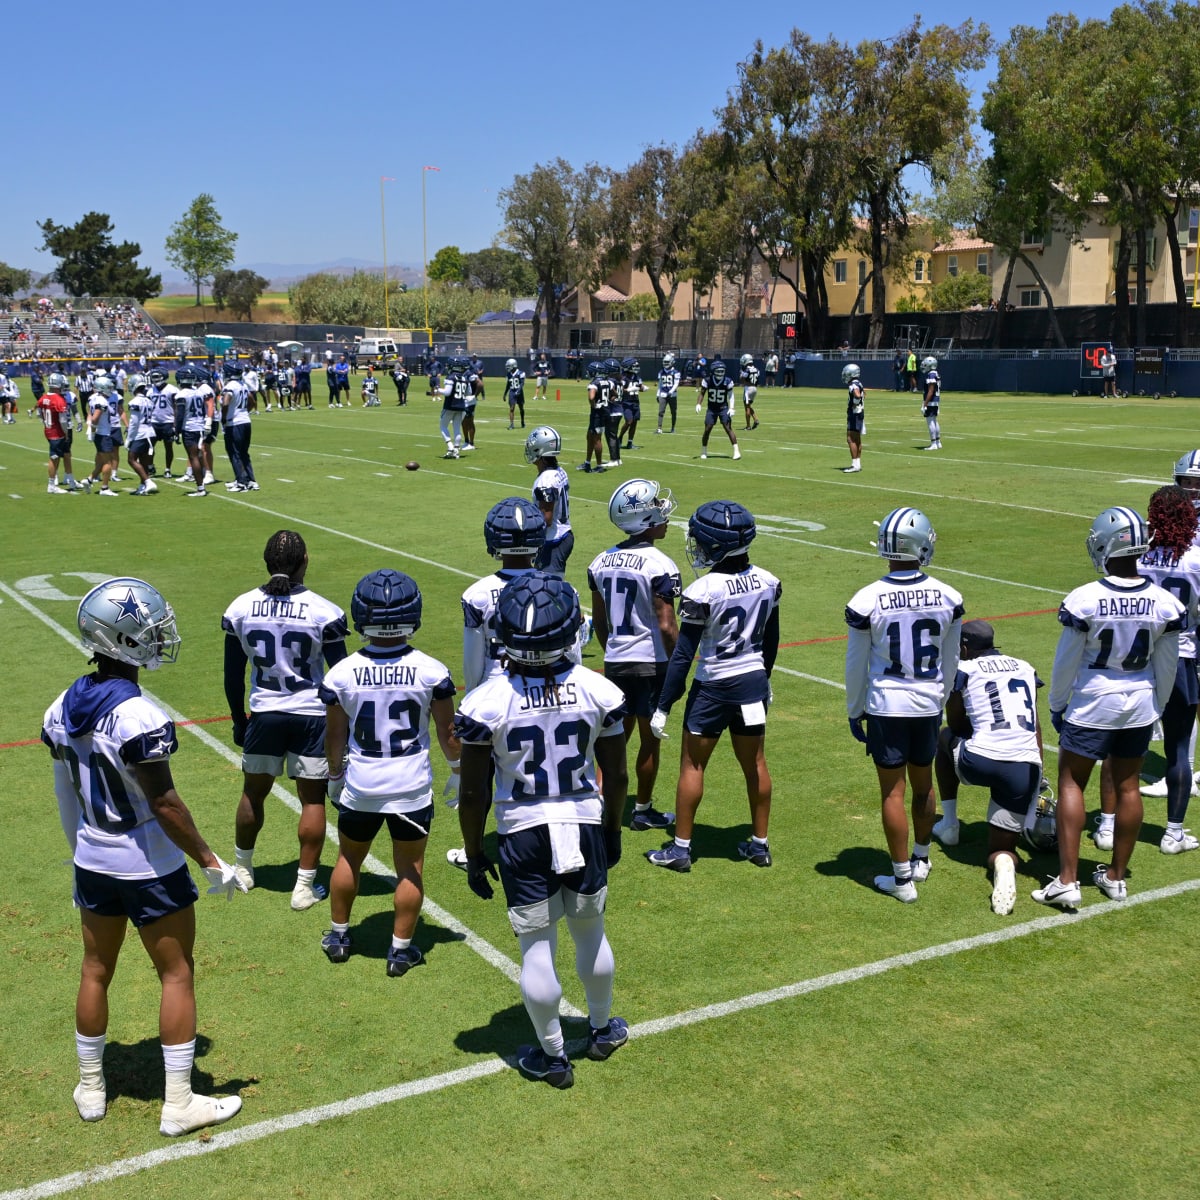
(910, 598)
(385, 675)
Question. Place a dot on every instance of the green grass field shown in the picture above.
(795, 1033)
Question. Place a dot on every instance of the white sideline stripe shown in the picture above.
(803, 675)
(227, 1140)
(434, 911)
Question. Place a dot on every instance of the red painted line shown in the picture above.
(1034, 612)
(38, 741)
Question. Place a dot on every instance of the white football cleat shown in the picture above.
(1004, 885)
(737, 453)
(197, 1113)
(243, 878)
(91, 1102)
(1172, 844)
(946, 832)
(1103, 838)
(305, 895)
(1157, 788)
(903, 889)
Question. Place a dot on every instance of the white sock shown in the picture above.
(90, 1051)
(177, 1067)
(686, 843)
(540, 988)
(902, 871)
(308, 877)
(950, 808)
(243, 858)
(920, 850)
(642, 807)
(757, 840)
(399, 943)
(1174, 828)
(1107, 821)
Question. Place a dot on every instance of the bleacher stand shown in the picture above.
(64, 331)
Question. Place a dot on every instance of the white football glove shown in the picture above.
(222, 878)
(91, 432)
(334, 785)
(699, 406)
(770, 694)
(207, 426)
(658, 724)
(453, 783)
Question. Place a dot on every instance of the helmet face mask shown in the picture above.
(717, 372)
(510, 364)
(929, 363)
(746, 360)
(1040, 830)
(57, 382)
(1117, 532)
(514, 527)
(104, 385)
(158, 377)
(386, 604)
(638, 505)
(137, 383)
(716, 531)
(850, 372)
(906, 534)
(538, 618)
(543, 442)
(1187, 475)
(128, 620)
(668, 360)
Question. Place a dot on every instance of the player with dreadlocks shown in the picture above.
(288, 635)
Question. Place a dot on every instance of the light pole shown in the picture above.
(425, 253)
(387, 319)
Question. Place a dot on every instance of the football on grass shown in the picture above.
(412, 465)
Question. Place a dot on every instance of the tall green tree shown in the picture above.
(238, 291)
(12, 280)
(198, 244)
(499, 270)
(555, 217)
(91, 265)
(446, 266)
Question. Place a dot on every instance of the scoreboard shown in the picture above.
(1090, 354)
(787, 325)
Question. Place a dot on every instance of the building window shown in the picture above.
(1032, 240)
(862, 271)
(952, 266)
(839, 270)
(1031, 297)
(983, 264)
(1193, 225)
(919, 270)
(1189, 292)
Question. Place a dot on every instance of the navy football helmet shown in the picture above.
(459, 366)
(188, 377)
(631, 366)
(539, 618)
(386, 604)
(716, 372)
(904, 534)
(159, 377)
(612, 368)
(514, 526)
(128, 620)
(233, 370)
(717, 530)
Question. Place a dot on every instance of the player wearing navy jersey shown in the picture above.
(379, 704)
(303, 372)
(235, 420)
(931, 402)
(514, 391)
(1113, 674)
(370, 388)
(603, 392)
(287, 634)
(634, 586)
(542, 727)
(856, 419)
(632, 388)
(717, 403)
(748, 375)
(901, 660)
(541, 373)
(130, 836)
(992, 739)
(552, 495)
(401, 378)
(474, 395)
(455, 393)
(669, 379)
(730, 617)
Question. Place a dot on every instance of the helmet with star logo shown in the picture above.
(128, 620)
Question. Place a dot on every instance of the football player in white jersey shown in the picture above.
(199, 407)
(235, 420)
(104, 432)
(379, 704)
(552, 495)
(901, 660)
(717, 403)
(634, 586)
(669, 379)
(131, 836)
(731, 618)
(140, 451)
(856, 419)
(288, 635)
(162, 394)
(931, 401)
(748, 374)
(543, 726)
(1113, 674)
(992, 739)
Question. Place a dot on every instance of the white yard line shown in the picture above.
(228, 1139)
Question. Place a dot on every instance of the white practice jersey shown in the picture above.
(542, 734)
(386, 692)
(481, 642)
(250, 378)
(195, 409)
(103, 425)
(734, 610)
(902, 652)
(934, 380)
(116, 832)
(1182, 579)
(999, 693)
(629, 577)
(554, 486)
(1115, 663)
(284, 638)
(163, 412)
(235, 398)
(140, 408)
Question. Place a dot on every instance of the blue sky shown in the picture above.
(289, 114)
